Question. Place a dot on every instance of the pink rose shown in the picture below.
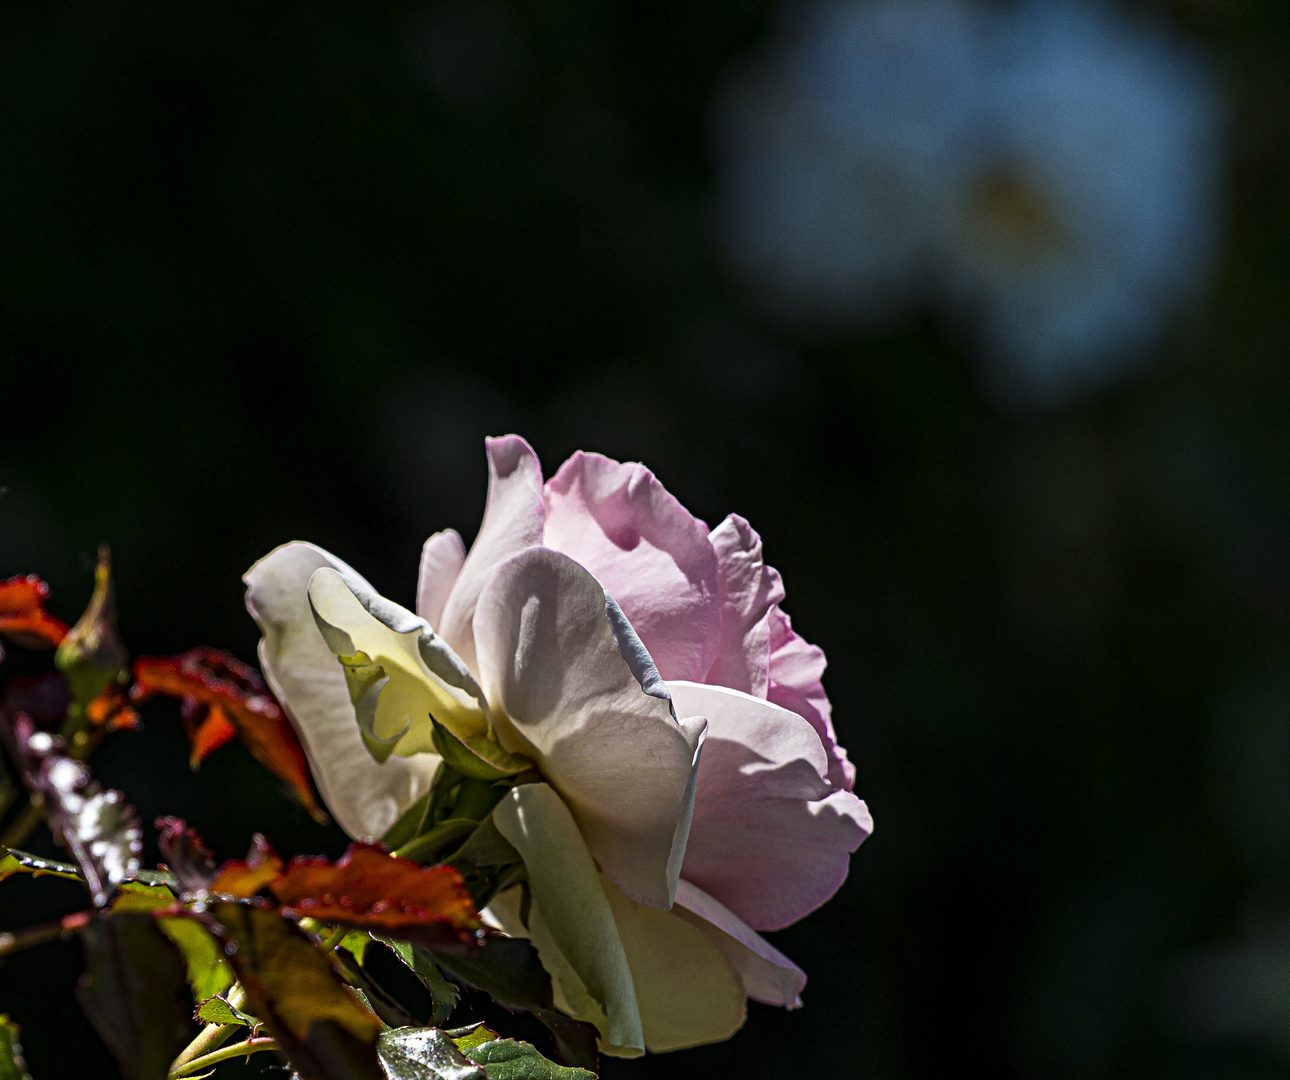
(597, 630)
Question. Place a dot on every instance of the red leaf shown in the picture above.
(368, 889)
(23, 618)
(245, 878)
(209, 735)
(111, 710)
(187, 857)
(321, 1029)
(213, 683)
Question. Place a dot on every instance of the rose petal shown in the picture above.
(571, 922)
(795, 672)
(767, 974)
(442, 557)
(394, 706)
(686, 990)
(749, 589)
(770, 837)
(512, 522)
(365, 798)
(650, 553)
(563, 693)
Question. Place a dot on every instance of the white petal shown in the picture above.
(571, 923)
(575, 690)
(441, 560)
(766, 973)
(513, 521)
(365, 798)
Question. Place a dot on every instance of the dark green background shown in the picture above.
(273, 271)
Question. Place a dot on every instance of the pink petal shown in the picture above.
(767, 974)
(795, 671)
(748, 589)
(758, 651)
(770, 837)
(650, 553)
(512, 522)
(441, 561)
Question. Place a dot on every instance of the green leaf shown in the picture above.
(218, 1010)
(424, 1054)
(19, 862)
(22, 862)
(208, 972)
(488, 863)
(508, 1059)
(475, 799)
(356, 943)
(409, 824)
(442, 789)
(421, 962)
(155, 877)
(507, 970)
(366, 680)
(477, 756)
(468, 1038)
(433, 1054)
(134, 994)
(487, 847)
(430, 845)
(510, 972)
(12, 1067)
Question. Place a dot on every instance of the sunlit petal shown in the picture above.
(559, 674)
(365, 798)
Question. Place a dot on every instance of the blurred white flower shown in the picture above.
(837, 148)
(1048, 171)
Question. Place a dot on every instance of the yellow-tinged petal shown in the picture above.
(766, 973)
(686, 991)
(571, 921)
(364, 797)
(394, 690)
